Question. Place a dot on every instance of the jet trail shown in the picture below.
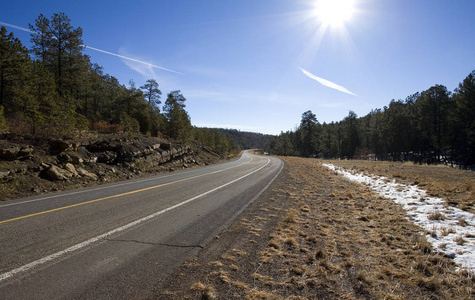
(16, 27)
(132, 59)
(327, 83)
(99, 50)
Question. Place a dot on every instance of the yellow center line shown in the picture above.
(120, 195)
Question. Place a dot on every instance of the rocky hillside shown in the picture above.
(31, 165)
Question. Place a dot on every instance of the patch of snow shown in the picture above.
(430, 213)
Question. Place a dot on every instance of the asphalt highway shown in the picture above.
(119, 241)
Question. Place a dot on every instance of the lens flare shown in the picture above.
(334, 13)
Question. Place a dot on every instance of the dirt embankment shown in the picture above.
(30, 166)
(315, 235)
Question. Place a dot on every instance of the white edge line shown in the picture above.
(50, 257)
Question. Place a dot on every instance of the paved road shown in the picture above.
(121, 240)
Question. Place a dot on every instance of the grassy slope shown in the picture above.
(317, 236)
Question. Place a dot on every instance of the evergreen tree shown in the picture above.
(178, 120)
(59, 46)
(41, 39)
(463, 123)
(3, 124)
(309, 131)
(152, 93)
(14, 71)
(350, 136)
(433, 107)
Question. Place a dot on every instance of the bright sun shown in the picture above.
(334, 13)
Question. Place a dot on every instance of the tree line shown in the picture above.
(53, 89)
(432, 126)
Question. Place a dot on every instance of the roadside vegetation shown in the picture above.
(433, 126)
(316, 235)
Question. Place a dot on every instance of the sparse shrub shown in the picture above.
(261, 295)
(320, 254)
(207, 292)
(240, 285)
(238, 252)
(228, 257)
(291, 216)
(462, 222)
(436, 216)
(446, 231)
(460, 241)
(216, 263)
(103, 127)
(274, 244)
(291, 242)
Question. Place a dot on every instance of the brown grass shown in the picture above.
(205, 291)
(436, 215)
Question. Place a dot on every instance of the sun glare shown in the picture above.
(334, 13)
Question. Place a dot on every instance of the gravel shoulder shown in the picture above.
(315, 235)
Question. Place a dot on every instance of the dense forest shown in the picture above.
(432, 126)
(53, 89)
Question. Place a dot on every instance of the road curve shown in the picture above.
(119, 241)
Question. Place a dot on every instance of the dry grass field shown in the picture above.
(315, 235)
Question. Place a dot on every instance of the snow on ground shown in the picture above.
(451, 230)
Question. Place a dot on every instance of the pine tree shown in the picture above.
(3, 124)
(152, 93)
(59, 46)
(178, 121)
(464, 121)
(433, 108)
(309, 131)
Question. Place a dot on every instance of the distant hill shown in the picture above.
(248, 140)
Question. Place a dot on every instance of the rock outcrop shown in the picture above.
(36, 165)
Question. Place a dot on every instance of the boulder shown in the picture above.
(55, 173)
(87, 174)
(76, 160)
(104, 145)
(107, 157)
(70, 167)
(63, 157)
(166, 146)
(9, 153)
(58, 146)
(4, 174)
(26, 152)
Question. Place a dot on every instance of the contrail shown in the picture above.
(16, 27)
(99, 50)
(132, 59)
(327, 83)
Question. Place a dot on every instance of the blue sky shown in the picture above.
(255, 65)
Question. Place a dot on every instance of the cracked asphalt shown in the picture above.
(121, 241)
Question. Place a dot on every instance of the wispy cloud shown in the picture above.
(327, 83)
(146, 70)
(133, 60)
(141, 70)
